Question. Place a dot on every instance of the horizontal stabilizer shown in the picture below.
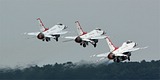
(68, 40)
(33, 33)
(103, 54)
(71, 37)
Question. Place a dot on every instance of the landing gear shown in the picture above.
(128, 58)
(84, 45)
(121, 58)
(48, 39)
(43, 39)
(95, 45)
(128, 55)
(117, 59)
(56, 39)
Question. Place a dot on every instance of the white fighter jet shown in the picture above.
(46, 34)
(118, 54)
(84, 38)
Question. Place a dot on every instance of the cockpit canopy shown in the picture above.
(129, 41)
(60, 24)
(98, 29)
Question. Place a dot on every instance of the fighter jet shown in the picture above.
(85, 38)
(45, 34)
(118, 54)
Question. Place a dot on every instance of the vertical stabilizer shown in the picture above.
(79, 28)
(110, 44)
(42, 27)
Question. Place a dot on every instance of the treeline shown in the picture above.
(125, 70)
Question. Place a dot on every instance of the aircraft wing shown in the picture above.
(99, 37)
(88, 40)
(33, 33)
(106, 54)
(135, 49)
(62, 32)
(50, 36)
(57, 33)
(71, 37)
(102, 54)
(119, 54)
(84, 39)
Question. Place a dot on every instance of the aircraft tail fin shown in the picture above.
(42, 27)
(110, 44)
(79, 28)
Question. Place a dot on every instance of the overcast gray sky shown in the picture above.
(137, 20)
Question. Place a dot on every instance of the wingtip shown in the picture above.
(25, 33)
(145, 47)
